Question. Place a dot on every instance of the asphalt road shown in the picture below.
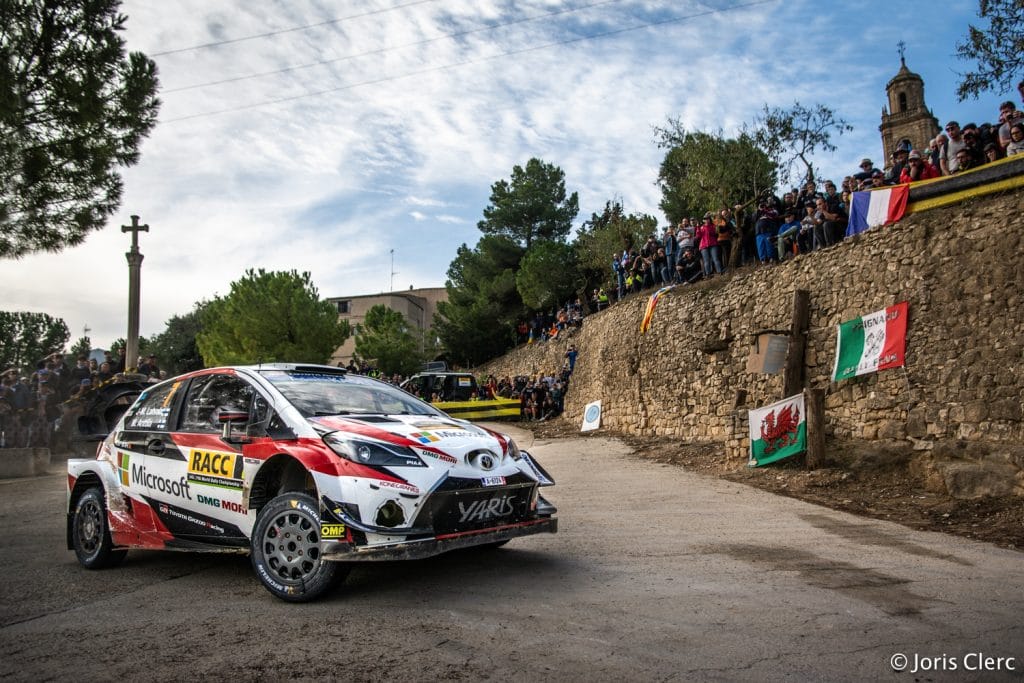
(657, 574)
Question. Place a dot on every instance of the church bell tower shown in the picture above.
(907, 120)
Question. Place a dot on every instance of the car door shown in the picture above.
(144, 439)
(211, 509)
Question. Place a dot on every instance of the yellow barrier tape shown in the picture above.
(477, 410)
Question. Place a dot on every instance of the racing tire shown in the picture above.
(90, 532)
(285, 550)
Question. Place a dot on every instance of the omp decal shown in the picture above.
(220, 503)
(215, 468)
(493, 481)
(443, 457)
(409, 488)
(332, 531)
(491, 508)
(155, 482)
(424, 437)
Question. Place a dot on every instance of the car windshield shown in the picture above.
(336, 394)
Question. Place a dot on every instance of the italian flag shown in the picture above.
(877, 207)
(871, 343)
(777, 431)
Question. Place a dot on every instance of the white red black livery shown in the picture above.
(304, 467)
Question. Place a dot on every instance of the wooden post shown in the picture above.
(814, 401)
(793, 379)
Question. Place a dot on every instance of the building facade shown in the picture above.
(907, 121)
(417, 306)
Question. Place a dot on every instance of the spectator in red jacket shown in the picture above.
(917, 169)
(707, 239)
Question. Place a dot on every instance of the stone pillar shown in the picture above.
(134, 256)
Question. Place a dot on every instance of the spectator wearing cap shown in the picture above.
(836, 215)
(948, 162)
(867, 170)
(992, 152)
(787, 233)
(918, 168)
(899, 162)
(707, 239)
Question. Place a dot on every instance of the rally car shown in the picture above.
(304, 467)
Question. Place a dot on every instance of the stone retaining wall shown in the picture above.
(960, 268)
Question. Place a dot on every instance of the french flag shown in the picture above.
(877, 207)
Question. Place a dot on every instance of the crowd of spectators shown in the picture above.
(808, 218)
(550, 325)
(541, 395)
(802, 220)
(30, 403)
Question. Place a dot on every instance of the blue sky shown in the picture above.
(393, 137)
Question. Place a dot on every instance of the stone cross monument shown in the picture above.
(134, 256)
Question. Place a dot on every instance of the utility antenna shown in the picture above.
(393, 271)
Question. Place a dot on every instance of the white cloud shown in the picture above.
(331, 183)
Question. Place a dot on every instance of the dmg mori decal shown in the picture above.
(215, 468)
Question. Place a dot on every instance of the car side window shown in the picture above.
(154, 408)
(209, 396)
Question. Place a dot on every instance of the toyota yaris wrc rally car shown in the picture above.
(304, 467)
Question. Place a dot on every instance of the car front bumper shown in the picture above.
(339, 551)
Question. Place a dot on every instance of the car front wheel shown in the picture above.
(90, 533)
(285, 550)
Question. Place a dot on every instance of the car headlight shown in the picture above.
(372, 453)
(512, 450)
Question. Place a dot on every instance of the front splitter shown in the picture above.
(412, 550)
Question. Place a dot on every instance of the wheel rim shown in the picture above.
(291, 546)
(90, 526)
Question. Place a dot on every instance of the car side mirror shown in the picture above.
(226, 418)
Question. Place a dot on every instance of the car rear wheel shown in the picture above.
(90, 532)
(285, 549)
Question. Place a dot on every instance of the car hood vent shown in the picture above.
(376, 419)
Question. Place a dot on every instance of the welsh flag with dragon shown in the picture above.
(777, 431)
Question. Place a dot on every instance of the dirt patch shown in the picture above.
(861, 478)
